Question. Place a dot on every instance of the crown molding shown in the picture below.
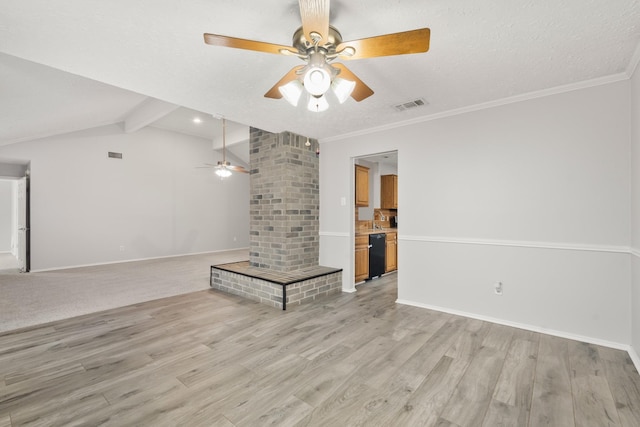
(491, 104)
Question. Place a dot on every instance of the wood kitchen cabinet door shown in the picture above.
(361, 258)
(389, 191)
(391, 258)
(362, 186)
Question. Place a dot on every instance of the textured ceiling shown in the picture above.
(38, 101)
(481, 51)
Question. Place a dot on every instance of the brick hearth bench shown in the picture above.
(276, 288)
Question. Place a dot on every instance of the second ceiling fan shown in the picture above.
(224, 169)
(319, 44)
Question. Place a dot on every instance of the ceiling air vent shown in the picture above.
(420, 102)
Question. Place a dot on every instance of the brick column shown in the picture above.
(285, 200)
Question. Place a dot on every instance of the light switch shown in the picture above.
(343, 201)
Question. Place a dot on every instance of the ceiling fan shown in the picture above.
(224, 168)
(318, 44)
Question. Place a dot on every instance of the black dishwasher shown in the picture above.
(377, 247)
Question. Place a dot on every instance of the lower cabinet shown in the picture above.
(362, 255)
(391, 258)
(362, 258)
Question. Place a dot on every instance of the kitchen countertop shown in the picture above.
(367, 231)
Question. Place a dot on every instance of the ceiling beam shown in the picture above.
(147, 112)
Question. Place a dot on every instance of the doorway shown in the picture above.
(374, 215)
(15, 233)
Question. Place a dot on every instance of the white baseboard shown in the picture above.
(634, 357)
(135, 260)
(527, 327)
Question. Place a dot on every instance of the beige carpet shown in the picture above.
(28, 299)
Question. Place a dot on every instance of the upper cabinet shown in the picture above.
(362, 186)
(389, 191)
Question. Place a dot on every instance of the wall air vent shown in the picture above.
(420, 102)
(113, 155)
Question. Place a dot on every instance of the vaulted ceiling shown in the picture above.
(74, 64)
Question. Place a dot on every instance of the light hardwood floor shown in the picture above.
(211, 359)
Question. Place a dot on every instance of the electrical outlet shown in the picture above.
(497, 288)
(235, 238)
(122, 248)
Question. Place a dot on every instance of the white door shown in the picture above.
(22, 224)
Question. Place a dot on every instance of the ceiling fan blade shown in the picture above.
(291, 75)
(361, 91)
(218, 40)
(415, 41)
(315, 18)
(237, 169)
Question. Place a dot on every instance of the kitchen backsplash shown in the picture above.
(378, 215)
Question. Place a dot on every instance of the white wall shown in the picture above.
(6, 215)
(635, 222)
(388, 169)
(154, 202)
(534, 194)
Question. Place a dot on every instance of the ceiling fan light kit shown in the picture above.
(318, 103)
(342, 88)
(317, 81)
(292, 92)
(224, 169)
(318, 44)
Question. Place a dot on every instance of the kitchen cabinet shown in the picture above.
(389, 191)
(391, 258)
(362, 186)
(362, 258)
